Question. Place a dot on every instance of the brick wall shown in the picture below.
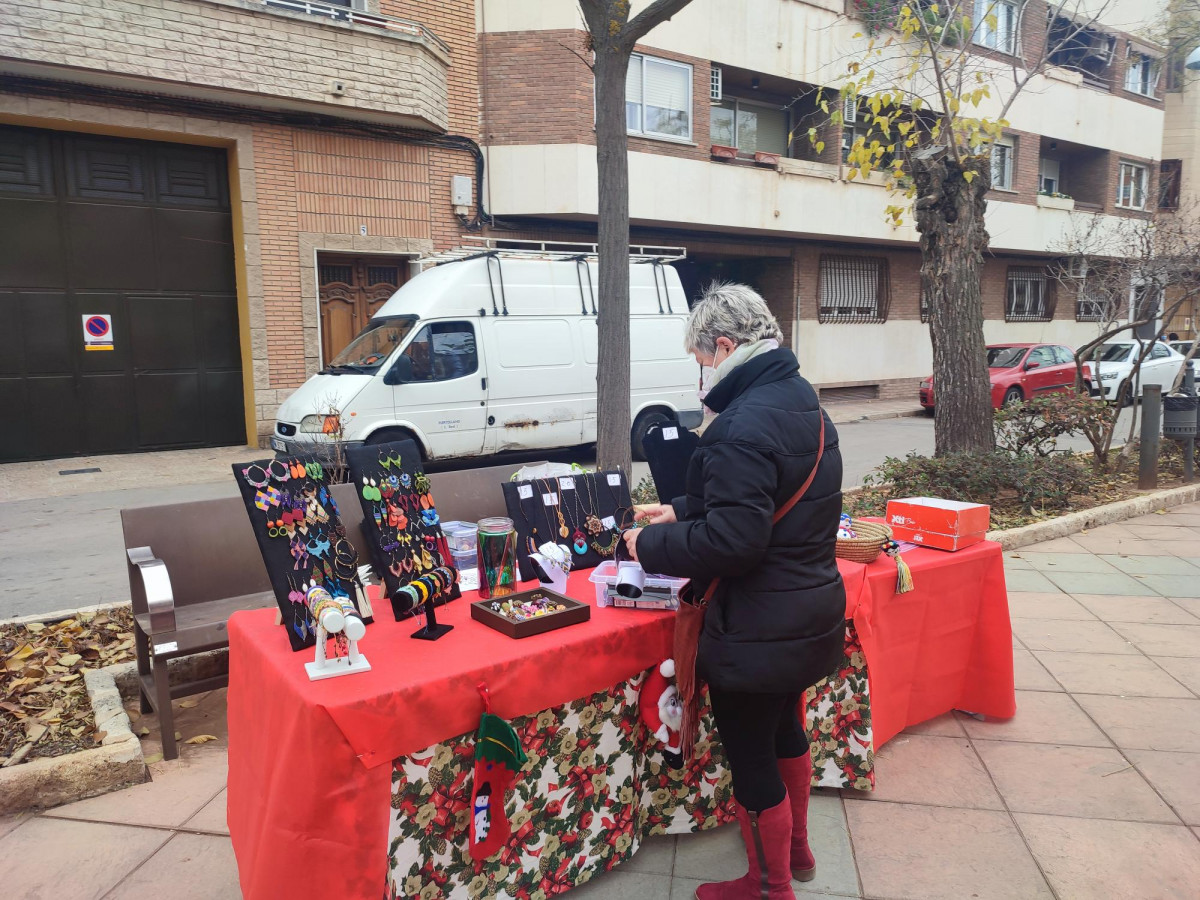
(231, 45)
(454, 22)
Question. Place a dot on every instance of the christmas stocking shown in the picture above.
(498, 758)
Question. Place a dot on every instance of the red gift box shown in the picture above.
(944, 524)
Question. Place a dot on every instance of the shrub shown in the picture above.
(1031, 481)
(1034, 426)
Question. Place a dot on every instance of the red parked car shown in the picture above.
(1021, 371)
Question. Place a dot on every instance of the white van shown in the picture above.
(497, 351)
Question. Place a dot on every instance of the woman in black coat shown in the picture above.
(776, 623)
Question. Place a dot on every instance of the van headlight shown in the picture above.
(317, 424)
(1109, 376)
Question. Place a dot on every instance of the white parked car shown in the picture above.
(1114, 361)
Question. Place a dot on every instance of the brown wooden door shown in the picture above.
(352, 290)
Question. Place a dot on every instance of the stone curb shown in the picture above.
(1073, 523)
(875, 417)
(61, 615)
(116, 763)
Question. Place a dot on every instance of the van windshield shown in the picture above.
(373, 346)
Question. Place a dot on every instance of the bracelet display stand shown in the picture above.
(432, 630)
(334, 622)
(542, 508)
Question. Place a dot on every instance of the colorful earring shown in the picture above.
(580, 542)
(287, 471)
(247, 472)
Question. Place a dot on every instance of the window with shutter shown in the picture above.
(1028, 296)
(1002, 164)
(853, 289)
(658, 98)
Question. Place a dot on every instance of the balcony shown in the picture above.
(283, 54)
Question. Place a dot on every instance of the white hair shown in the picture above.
(734, 311)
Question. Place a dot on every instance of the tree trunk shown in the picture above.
(950, 219)
(613, 449)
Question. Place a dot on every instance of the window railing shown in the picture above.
(853, 289)
(356, 17)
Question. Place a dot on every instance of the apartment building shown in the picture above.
(228, 188)
(712, 97)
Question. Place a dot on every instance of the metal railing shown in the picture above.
(356, 17)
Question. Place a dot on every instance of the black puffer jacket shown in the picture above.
(776, 623)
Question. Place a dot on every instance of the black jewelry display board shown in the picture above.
(401, 524)
(579, 498)
(300, 536)
(669, 449)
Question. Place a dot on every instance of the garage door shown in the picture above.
(118, 311)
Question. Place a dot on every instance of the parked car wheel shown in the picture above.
(1012, 395)
(641, 427)
(387, 435)
(1128, 390)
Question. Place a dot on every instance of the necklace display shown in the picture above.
(578, 539)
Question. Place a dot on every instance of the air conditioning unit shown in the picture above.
(850, 110)
(1077, 267)
(714, 84)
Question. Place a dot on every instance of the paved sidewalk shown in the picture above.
(1091, 791)
(842, 413)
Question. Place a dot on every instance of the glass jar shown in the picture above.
(497, 555)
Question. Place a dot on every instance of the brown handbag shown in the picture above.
(689, 622)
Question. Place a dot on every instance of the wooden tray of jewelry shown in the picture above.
(516, 614)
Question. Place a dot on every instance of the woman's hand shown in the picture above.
(630, 537)
(657, 513)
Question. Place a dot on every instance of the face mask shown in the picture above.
(706, 377)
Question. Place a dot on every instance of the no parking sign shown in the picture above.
(97, 332)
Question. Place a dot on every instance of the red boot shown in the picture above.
(797, 778)
(768, 836)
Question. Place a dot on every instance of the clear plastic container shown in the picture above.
(604, 576)
(461, 536)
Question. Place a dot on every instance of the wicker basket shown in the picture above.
(869, 543)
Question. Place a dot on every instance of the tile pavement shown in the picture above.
(1091, 791)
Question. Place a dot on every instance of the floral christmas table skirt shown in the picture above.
(594, 786)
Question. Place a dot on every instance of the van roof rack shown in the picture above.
(510, 248)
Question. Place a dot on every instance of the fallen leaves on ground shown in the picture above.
(44, 708)
(201, 739)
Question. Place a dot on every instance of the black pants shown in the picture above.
(756, 730)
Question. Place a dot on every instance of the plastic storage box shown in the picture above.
(657, 587)
(461, 536)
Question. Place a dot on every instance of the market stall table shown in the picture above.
(313, 765)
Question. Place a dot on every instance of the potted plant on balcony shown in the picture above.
(1055, 200)
(766, 160)
(721, 151)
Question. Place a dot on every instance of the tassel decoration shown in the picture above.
(904, 579)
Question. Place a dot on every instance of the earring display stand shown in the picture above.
(301, 538)
(543, 507)
(402, 527)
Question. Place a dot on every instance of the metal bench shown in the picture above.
(193, 565)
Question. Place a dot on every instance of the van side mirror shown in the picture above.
(401, 371)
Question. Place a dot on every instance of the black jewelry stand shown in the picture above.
(432, 630)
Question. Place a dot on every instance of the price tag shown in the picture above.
(609, 522)
(524, 491)
(169, 647)
(550, 499)
(566, 484)
(671, 434)
(615, 479)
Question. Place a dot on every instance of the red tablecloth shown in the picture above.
(308, 761)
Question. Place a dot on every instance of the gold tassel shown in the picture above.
(904, 581)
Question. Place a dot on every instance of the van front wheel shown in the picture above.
(388, 435)
(642, 426)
